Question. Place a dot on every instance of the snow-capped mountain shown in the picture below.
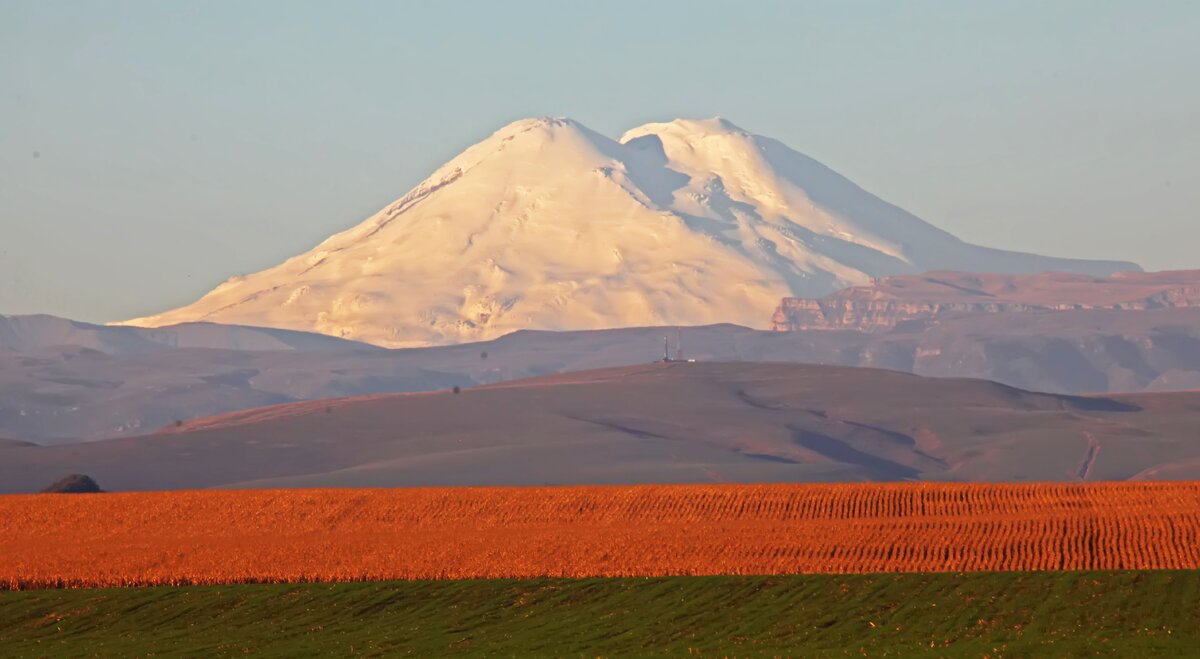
(547, 224)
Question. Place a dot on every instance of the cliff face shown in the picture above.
(891, 301)
(795, 314)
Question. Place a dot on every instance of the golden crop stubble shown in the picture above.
(446, 533)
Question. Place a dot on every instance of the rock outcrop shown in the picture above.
(890, 302)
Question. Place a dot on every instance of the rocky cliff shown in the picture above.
(892, 301)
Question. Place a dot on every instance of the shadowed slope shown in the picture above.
(32, 333)
(654, 423)
(57, 394)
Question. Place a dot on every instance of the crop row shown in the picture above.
(349, 535)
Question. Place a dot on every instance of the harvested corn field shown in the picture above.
(211, 537)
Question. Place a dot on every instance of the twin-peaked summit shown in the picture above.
(549, 225)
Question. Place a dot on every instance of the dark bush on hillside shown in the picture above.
(74, 484)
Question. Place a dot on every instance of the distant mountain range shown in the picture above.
(653, 423)
(66, 381)
(549, 225)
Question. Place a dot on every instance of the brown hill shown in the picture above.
(654, 423)
(71, 393)
(85, 394)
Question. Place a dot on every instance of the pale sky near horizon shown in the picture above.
(149, 150)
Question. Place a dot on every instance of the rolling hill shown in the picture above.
(653, 423)
(72, 393)
(32, 333)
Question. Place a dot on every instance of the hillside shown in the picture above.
(654, 423)
(25, 334)
(547, 224)
(70, 393)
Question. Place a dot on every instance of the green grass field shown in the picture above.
(990, 614)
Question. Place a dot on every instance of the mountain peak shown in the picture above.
(528, 124)
(547, 224)
(690, 128)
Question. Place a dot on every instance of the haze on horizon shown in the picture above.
(148, 152)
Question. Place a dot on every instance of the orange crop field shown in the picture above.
(199, 537)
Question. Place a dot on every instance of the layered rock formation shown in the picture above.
(891, 301)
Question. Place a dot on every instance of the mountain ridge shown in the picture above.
(547, 224)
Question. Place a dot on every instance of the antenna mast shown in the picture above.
(678, 345)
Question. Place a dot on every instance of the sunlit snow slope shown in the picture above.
(547, 224)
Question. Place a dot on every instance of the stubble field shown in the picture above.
(286, 536)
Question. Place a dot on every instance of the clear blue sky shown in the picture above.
(149, 150)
